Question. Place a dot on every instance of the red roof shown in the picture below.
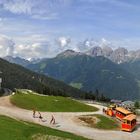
(130, 117)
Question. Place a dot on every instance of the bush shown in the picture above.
(137, 105)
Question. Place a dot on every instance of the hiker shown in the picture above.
(34, 111)
(103, 110)
(52, 120)
(40, 117)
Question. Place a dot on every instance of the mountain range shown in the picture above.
(17, 60)
(115, 73)
(119, 55)
(90, 73)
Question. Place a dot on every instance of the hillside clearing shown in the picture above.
(49, 103)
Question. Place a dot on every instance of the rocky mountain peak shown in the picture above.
(95, 51)
(119, 55)
(107, 51)
(68, 53)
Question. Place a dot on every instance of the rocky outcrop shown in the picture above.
(119, 55)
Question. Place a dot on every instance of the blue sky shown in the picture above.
(43, 28)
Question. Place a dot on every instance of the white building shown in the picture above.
(128, 104)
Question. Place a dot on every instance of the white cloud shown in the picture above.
(6, 46)
(35, 50)
(90, 43)
(31, 38)
(37, 9)
(63, 41)
(38, 46)
(18, 6)
(51, 16)
(104, 42)
(33, 46)
(86, 44)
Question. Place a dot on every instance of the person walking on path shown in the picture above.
(40, 117)
(52, 120)
(34, 111)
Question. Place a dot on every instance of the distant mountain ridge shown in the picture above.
(90, 73)
(69, 53)
(119, 55)
(17, 60)
(114, 72)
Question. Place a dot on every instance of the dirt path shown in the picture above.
(66, 122)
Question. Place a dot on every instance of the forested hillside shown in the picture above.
(15, 76)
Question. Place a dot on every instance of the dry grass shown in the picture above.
(89, 120)
(99, 121)
(47, 137)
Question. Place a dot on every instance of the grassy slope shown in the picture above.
(76, 85)
(11, 129)
(106, 123)
(49, 103)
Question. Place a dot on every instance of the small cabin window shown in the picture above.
(133, 122)
(124, 121)
(128, 122)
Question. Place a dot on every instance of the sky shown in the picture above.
(44, 28)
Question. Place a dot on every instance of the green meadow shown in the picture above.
(49, 103)
(11, 129)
